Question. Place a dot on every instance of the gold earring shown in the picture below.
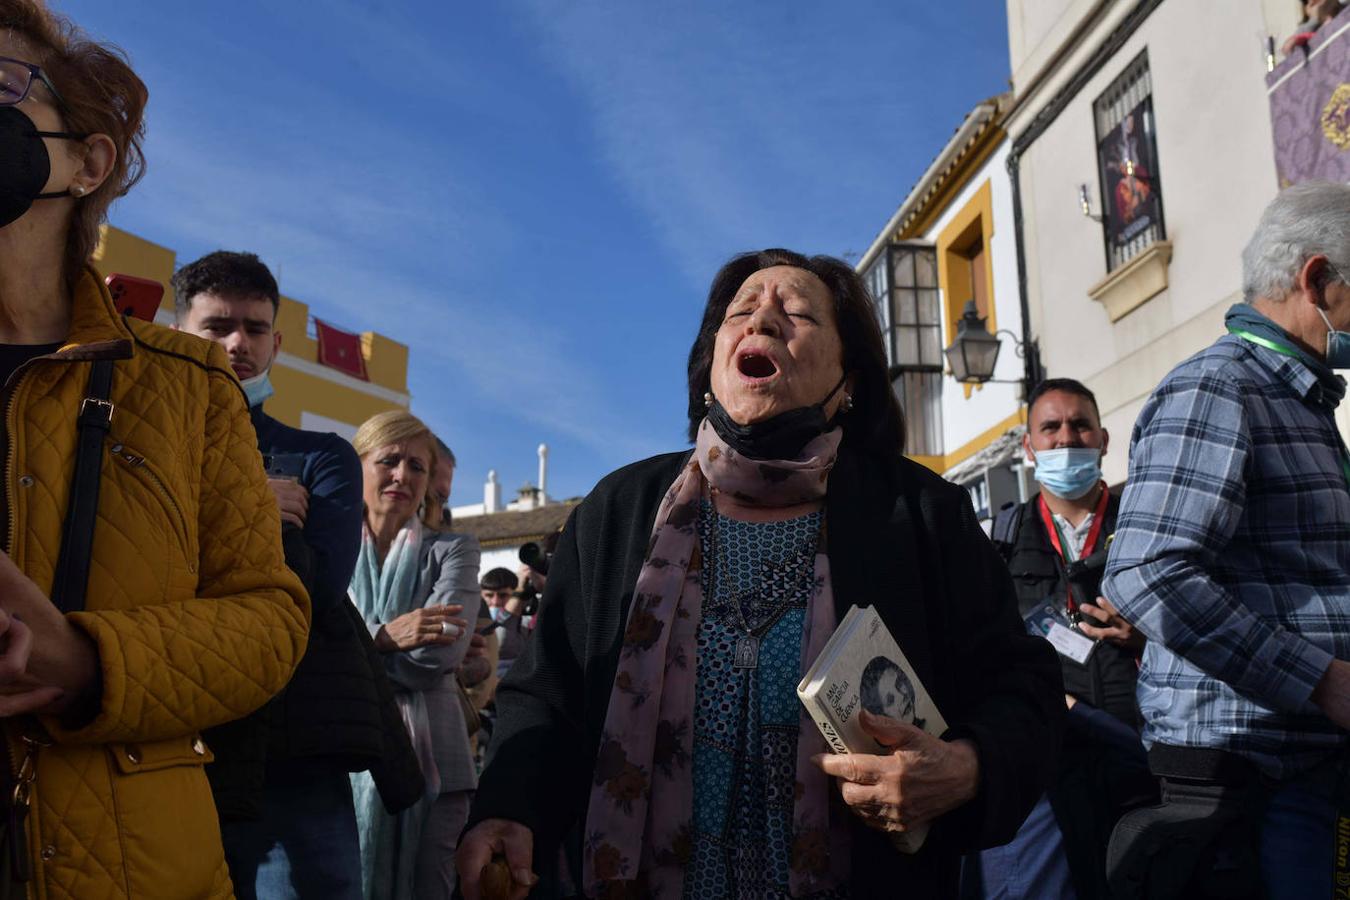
(77, 190)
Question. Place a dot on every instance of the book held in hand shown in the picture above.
(862, 667)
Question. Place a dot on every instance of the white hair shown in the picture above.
(1306, 220)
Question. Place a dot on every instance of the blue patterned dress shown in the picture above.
(746, 720)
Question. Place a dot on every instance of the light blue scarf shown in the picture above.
(389, 843)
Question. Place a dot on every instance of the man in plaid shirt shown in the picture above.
(1232, 550)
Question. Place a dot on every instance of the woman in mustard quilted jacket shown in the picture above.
(153, 600)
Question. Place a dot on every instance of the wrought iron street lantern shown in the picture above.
(974, 353)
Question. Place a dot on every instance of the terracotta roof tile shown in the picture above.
(516, 526)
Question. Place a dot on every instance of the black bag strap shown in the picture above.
(77, 541)
(1007, 525)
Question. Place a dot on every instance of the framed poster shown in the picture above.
(1127, 156)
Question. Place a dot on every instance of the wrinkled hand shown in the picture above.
(496, 836)
(46, 663)
(1117, 630)
(292, 500)
(421, 627)
(920, 779)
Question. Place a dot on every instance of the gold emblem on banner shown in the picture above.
(1336, 117)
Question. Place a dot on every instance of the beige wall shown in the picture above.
(1217, 168)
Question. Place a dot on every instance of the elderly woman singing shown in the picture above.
(653, 727)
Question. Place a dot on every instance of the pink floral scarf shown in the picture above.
(638, 834)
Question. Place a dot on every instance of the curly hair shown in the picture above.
(100, 94)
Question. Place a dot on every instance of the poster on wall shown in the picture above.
(1310, 107)
(1128, 156)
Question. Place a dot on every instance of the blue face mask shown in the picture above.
(257, 389)
(1338, 344)
(1069, 472)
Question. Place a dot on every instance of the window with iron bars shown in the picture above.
(1127, 162)
(903, 282)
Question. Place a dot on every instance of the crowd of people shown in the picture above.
(239, 659)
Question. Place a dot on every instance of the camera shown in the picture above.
(1085, 583)
(536, 557)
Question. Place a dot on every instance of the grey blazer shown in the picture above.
(447, 572)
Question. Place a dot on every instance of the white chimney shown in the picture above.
(492, 494)
(543, 474)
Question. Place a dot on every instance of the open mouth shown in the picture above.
(756, 365)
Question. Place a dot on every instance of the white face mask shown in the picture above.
(1069, 472)
(258, 388)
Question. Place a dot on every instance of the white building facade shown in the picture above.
(1142, 155)
(952, 243)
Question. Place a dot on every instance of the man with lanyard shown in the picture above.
(281, 776)
(1054, 545)
(1232, 553)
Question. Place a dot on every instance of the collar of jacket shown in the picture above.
(96, 330)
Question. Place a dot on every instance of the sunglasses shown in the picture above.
(16, 81)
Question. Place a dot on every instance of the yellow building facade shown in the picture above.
(952, 243)
(308, 395)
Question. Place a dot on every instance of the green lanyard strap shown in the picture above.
(1287, 351)
(1264, 342)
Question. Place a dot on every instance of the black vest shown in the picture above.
(1108, 679)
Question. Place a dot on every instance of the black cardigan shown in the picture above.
(899, 538)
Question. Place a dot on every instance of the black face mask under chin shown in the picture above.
(26, 166)
(780, 437)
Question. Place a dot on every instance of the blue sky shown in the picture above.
(535, 195)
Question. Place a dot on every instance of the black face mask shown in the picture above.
(780, 437)
(26, 165)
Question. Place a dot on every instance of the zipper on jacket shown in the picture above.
(18, 838)
(24, 776)
(138, 463)
(19, 857)
(12, 389)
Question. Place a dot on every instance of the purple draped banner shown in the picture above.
(1310, 107)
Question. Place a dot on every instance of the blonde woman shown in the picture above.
(416, 589)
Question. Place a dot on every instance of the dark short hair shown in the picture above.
(445, 452)
(1065, 385)
(238, 275)
(499, 579)
(875, 423)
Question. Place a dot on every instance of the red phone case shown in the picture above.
(135, 297)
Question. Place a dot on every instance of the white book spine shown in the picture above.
(820, 714)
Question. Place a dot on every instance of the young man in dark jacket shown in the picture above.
(281, 775)
(1055, 547)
